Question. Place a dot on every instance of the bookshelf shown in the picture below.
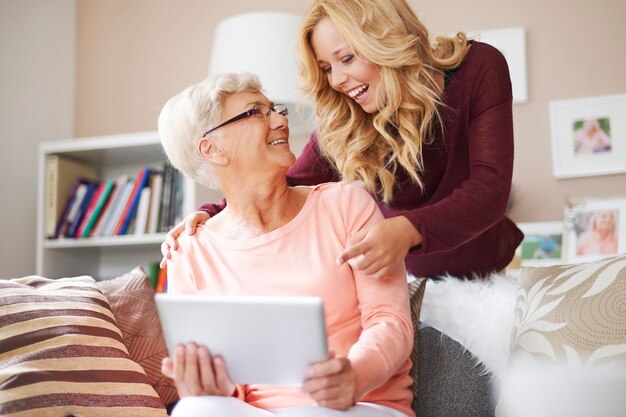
(109, 256)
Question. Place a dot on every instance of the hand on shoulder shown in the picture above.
(379, 249)
(189, 224)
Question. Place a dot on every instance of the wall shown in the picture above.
(134, 54)
(575, 49)
(37, 56)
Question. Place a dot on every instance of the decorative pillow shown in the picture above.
(569, 339)
(132, 301)
(61, 353)
(478, 314)
(416, 294)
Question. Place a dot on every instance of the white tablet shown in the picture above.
(264, 340)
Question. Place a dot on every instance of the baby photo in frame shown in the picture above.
(542, 243)
(595, 229)
(592, 136)
(588, 136)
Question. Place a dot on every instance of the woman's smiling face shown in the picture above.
(346, 72)
(257, 140)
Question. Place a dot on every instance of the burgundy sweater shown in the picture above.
(467, 177)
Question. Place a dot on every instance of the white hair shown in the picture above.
(186, 116)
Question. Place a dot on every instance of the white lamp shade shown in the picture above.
(261, 43)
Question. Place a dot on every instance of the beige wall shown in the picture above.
(37, 51)
(134, 54)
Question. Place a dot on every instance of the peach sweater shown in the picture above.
(368, 320)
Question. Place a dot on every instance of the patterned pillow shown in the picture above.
(132, 301)
(416, 295)
(570, 325)
(61, 353)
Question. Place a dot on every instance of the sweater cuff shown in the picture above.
(421, 229)
(369, 372)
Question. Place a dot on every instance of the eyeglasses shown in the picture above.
(259, 110)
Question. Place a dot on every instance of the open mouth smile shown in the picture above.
(277, 142)
(358, 92)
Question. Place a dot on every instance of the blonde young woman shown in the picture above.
(427, 128)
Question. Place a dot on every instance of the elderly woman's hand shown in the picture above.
(196, 373)
(381, 248)
(331, 383)
(189, 223)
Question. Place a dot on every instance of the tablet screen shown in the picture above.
(264, 340)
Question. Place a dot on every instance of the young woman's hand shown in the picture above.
(190, 223)
(381, 248)
(331, 383)
(196, 373)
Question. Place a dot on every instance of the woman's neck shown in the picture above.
(256, 209)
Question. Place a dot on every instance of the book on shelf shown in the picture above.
(117, 207)
(77, 218)
(90, 209)
(177, 198)
(164, 218)
(102, 201)
(171, 198)
(60, 175)
(128, 213)
(105, 212)
(71, 207)
(155, 202)
(153, 273)
(72, 203)
(143, 207)
(161, 285)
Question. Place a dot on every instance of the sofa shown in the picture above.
(77, 347)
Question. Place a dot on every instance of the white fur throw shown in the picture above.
(477, 314)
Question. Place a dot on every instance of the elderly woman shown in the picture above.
(273, 239)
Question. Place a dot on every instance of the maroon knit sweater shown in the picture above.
(467, 176)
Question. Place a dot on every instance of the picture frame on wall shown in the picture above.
(588, 136)
(511, 42)
(542, 244)
(595, 228)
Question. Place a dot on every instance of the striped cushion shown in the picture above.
(61, 353)
(416, 295)
(132, 302)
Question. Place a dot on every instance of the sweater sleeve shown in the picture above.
(386, 340)
(311, 168)
(481, 200)
(213, 208)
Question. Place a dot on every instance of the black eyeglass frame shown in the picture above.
(250, 113)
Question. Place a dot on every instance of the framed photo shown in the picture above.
(542, 243)
(595, 229)
(512, 43)
(588, 136)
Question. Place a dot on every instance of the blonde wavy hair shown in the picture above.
(387, 33)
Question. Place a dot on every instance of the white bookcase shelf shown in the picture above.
(105, 257)
(94, 242)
